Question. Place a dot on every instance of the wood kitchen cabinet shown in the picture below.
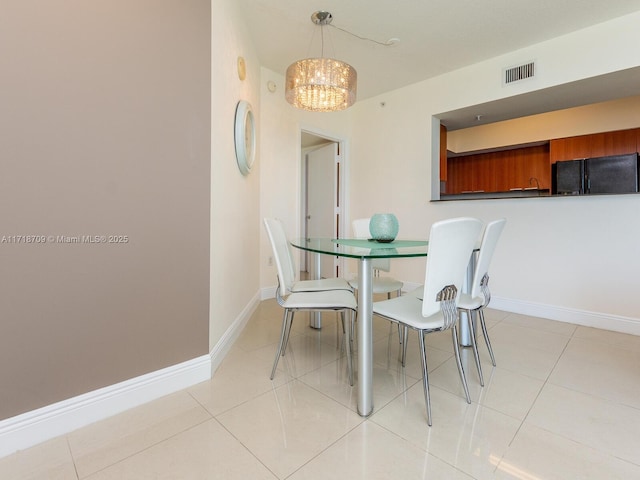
(569, 148)
(513, 174)
(620, 142)
(538, 168)
(500, 171)
(443, 153)
(485, 172)
(460, 173)
(603, 144)
(473, 173)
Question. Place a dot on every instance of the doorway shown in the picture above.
(323, 193)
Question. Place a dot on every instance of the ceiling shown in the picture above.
(433, 37)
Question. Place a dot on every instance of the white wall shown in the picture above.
(560, 258)
(235, 223)
(280, 146)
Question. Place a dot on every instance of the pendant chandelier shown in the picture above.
(321, 84)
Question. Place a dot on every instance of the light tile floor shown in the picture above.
(563, 403)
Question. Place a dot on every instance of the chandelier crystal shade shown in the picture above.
(321, 84)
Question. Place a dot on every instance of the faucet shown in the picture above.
(532, 179)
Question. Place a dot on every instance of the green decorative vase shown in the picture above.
(384, 227)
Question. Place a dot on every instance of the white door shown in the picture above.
(321, 201)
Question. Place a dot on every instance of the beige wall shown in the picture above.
(104, 130)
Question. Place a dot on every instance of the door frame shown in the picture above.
(342, 183)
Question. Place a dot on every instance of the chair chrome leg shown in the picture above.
(425, 374)
(348, 348)
(474, 345)
(279, 351)
(405, 338)
(486, 335)
(288, 332)
(456, 348)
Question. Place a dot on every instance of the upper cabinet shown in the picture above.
(619, 142)
(569, 148)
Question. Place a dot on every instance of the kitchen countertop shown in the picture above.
(523, 193)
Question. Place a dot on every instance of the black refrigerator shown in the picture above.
(599, 175)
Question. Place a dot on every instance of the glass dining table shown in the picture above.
(365, 251)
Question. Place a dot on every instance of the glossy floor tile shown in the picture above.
(561, 403)
(370, 452)
(607, 370)
(207, 451)
(51, 460)
(109, 441)
(590, 420)
(536, 453)
(288, 426)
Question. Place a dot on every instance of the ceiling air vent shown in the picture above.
(521, 72)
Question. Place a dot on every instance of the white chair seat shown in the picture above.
(418, 292)
(407, 309)
(467, 302)
(320, 285)
(321, 300)
(381, 284)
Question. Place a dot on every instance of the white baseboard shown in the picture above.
(268, 292)
(37, 426)
(220, 350)
(604, 321)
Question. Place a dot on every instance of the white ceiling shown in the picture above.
(435, 37)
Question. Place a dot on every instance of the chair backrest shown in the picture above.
(492, 233)
(282, 254)
(451, 243)
(361, 230)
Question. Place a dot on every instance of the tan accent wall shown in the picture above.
(104, 193)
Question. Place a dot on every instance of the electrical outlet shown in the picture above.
(270, 261)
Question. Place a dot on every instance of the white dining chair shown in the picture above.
(338, 300)
(286, 257)
(479, 296)
(451, 244)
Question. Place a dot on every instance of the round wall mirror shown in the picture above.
(245, 137)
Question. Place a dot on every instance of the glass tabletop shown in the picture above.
(360, 248)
